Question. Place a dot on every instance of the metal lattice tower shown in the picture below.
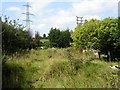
(79, 20)
(27, 13)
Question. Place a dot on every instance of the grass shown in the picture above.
(59, 68)
(44, 40)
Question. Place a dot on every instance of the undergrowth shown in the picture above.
(58, 68)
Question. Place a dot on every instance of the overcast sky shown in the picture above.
(59, 13)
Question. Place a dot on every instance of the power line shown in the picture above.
(79, 20)
(27, 13)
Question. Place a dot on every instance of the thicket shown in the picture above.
(59, 38)
(103, 36)
(15, 38)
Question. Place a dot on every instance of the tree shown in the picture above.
(108, 38)
(101, 35)
(14, 38)
(59, 38)
(37, 39)
(64, 39)
(85, 36)
(53, 37)
(44, 36)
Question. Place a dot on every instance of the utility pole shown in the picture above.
(79, 20)
(27, 13)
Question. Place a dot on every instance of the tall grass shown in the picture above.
(61, 68)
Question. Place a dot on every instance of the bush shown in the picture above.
(12, 76)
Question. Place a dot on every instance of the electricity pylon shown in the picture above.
(79, 20)
(27, 13)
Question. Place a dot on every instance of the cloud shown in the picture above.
(38, 6)
(66, 18)
(62, 18)
(94, 7)
(13, 9)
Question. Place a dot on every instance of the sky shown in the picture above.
(119, 9)
(58, 13)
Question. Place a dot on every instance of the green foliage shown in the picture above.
(12, 76)
(59, 38)
(14, 38)
(66, 68)
(64, 39)
(37, 39)
(46, 44)
(100, 35)
(53, 36)
(86, 36)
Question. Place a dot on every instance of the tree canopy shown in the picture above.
(59, 38)
(37, 39)
(14, 38)
(101, 35)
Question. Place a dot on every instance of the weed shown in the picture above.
(58, 68)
